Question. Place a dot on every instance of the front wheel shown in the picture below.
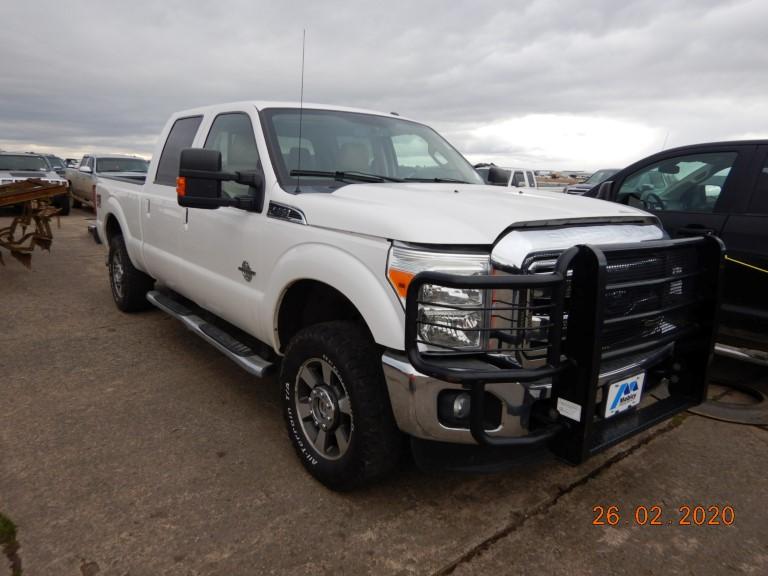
(62, 203)
(336, 406)
(129, 284)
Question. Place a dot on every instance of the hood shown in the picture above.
(447, 213)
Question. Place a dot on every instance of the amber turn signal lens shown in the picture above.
(400, 280)
(181, 186)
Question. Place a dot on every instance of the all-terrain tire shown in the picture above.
(347, 354)
(129, 285)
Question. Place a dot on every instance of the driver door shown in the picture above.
(223, 247)
(691, 193)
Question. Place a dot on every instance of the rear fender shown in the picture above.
(111, 208)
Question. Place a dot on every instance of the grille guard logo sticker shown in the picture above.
(624, 395)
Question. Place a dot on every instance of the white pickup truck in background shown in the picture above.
(401, 297)
(83, 179)
(512, 177)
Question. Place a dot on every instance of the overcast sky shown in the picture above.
(541, 83)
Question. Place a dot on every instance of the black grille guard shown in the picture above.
(579, 285)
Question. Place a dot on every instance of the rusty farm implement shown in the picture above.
(31, 228)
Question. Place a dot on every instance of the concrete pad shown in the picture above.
(700, 463)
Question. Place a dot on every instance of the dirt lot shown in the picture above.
(128, 446)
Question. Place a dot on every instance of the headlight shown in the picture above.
(448, 318)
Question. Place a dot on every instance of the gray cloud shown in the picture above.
(105, 75)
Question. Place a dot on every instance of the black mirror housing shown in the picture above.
(605, 191)
(498, 176)
(199, 182)
(200, 178)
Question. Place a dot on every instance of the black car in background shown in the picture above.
(716, 188)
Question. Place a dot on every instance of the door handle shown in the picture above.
(695, 231)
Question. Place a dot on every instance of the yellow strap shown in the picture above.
(745, 264)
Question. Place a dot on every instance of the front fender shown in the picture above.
(360, 278)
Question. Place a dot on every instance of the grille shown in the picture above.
(647, 296)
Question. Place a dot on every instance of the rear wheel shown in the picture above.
(129, 284)
(336, 406)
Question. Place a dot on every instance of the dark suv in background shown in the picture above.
(596, 179)
(716, 188)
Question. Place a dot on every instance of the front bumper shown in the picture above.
(414, 398)
(597, 293)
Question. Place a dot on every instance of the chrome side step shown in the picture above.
(94, 232)
(240, 353)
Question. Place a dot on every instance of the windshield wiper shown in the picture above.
(348, 175)
(451, 180)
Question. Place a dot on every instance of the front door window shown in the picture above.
(691, 183)
(232, 135)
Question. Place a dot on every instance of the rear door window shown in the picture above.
(181, 136)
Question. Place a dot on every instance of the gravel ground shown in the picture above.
(129, 446)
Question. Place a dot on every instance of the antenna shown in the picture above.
(301, 104)
(663, 146)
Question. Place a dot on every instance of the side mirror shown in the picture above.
(86, 169)
(200, 178)
(498, 176)
(605, 191)
(670, 167)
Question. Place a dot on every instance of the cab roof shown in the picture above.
(264, 104)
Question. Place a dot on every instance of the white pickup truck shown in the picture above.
(82, 180)
(401, 297)
(512, 177)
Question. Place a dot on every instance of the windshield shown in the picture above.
(23, 162)
(121, 165)
(348, 142)
(600, 176)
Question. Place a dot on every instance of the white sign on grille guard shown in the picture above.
(624, 394)
(512, 250)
